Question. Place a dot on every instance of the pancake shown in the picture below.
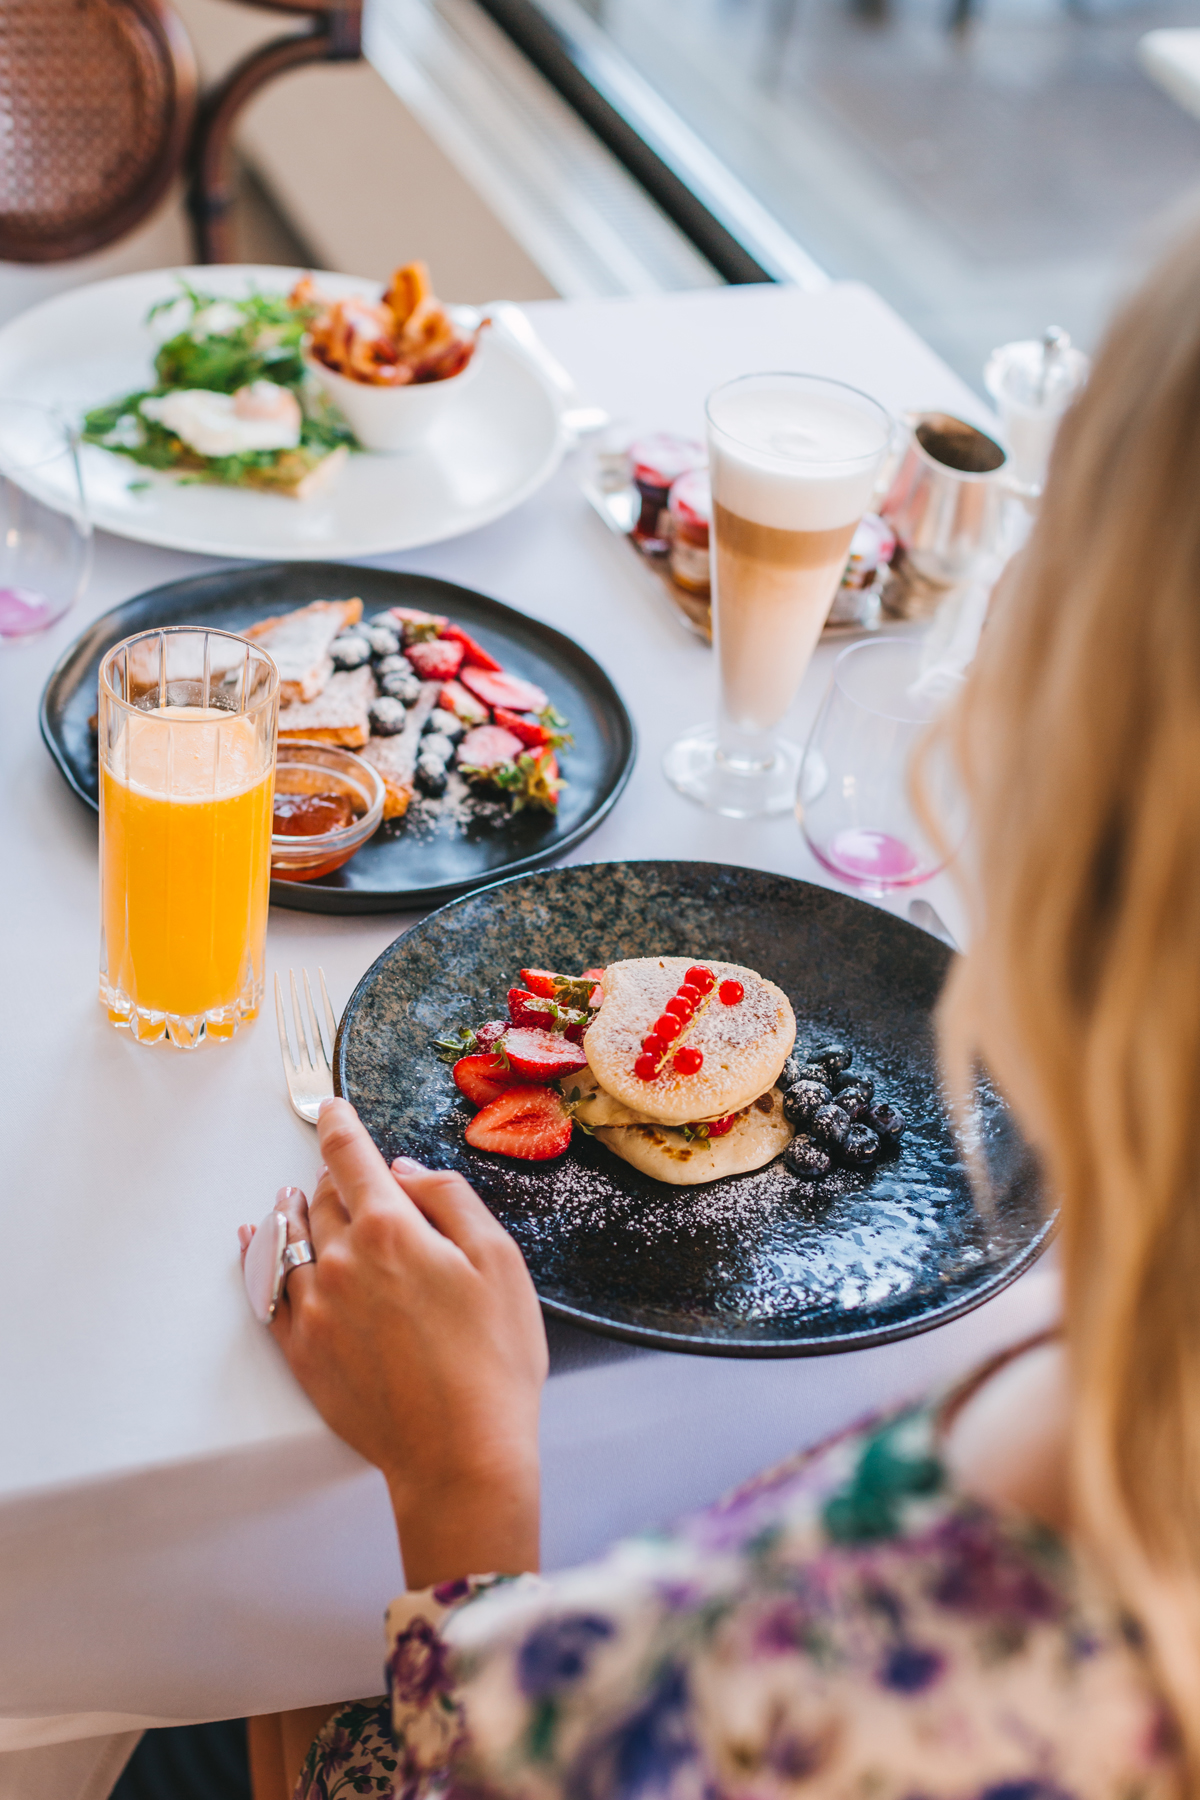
(744, 1046)
(594, 1107)
(755, 1140)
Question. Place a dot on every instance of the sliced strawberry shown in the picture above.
(541, 981)
(596, 975)
(455, 698)
(550, 986)
(412, 620)
(474, 655)
(489, 1035)
(487, 747)
(529, 731)
(527, 1122)
(481, 1078)
(525, 1008)
(542, 1055)
(718, 1127)
(502, 689)
(437, 659)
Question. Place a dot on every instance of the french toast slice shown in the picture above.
(299, 644)
(338, 715)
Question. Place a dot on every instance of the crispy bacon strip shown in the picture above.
(408, 337)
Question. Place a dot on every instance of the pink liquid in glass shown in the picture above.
(22, 610)
(872, 856)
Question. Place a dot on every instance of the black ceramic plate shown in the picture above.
(740, 1267)
(401, 867)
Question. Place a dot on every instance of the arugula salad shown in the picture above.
(232, 401)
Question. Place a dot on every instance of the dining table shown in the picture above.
(181, 1537)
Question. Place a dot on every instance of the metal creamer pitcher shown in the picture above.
(946, 505)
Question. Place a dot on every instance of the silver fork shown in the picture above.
(309, 1073)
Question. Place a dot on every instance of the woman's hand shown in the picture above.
(418, 1337)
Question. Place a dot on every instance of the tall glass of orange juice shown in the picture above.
(187, 730)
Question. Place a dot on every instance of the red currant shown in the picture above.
(701, 978)
(653, 1044)
(687, 1060)
(683, 1009)
(730, 992)
(668, 1027)
(646, 1067)
(691, 994)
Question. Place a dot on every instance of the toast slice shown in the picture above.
(395, 758)
(338, 715)
(299, 642)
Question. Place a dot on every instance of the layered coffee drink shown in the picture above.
(793, 461)
(792, 474)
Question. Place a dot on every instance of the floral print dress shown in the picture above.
(846, 1627)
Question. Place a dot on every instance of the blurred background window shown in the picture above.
(989, 166)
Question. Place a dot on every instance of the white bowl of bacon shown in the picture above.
(391, 368)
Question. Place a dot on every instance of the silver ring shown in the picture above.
(270, 1259)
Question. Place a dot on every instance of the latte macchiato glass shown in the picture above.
(793, 460)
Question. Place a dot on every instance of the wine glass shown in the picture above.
(45, 531)
(794, 461)
(853, 802)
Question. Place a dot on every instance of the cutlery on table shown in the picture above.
(930, 920)
(309, 1072)
(577, 416)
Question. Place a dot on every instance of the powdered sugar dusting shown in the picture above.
(744, 1045)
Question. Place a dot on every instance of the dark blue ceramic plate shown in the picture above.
(747, 1266)
(405, 866)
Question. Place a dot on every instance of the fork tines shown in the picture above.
(309, 1071)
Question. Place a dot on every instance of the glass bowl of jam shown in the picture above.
(328, 802)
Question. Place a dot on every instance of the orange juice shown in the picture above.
(185, 812)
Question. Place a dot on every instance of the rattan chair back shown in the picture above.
(97, 102)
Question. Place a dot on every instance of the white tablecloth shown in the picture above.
(180, 1537)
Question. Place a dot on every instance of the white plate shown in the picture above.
(496, 445)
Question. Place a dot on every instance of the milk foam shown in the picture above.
(792, 460)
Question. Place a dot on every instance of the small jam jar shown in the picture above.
(872, 548)
(656, 463)
(689, 508)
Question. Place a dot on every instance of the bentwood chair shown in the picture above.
(100, 112)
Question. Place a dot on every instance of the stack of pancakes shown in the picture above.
(653, 1123)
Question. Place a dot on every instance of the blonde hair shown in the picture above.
(1077, 738)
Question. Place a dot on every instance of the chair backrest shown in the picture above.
(97, 102)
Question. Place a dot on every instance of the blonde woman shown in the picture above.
(994, 1596)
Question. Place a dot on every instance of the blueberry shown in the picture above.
(401, 687)
(437, 747)
(431, 776)
(349, 651)
(387, 717)
(446, 723)
(830, 1125)
(814, 1071)
(833, 1057)
(887, 1121)
(803, 1100)
(805, 1158)
(383, 639)
(393, 665)
(861, 1080)
(860, 1147)
(854, 1103)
